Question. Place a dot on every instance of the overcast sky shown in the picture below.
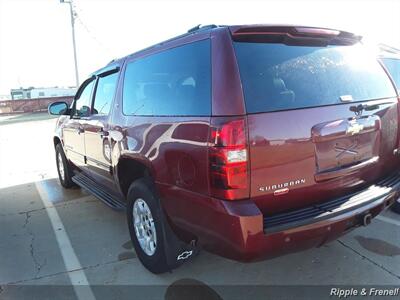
(36, 43)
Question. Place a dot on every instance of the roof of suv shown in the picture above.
(289, 29)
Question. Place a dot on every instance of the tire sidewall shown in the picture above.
(67, 181)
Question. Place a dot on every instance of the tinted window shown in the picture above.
(393, 66)
(82, 105)
(173, 82)
(105, 94)
(278, 77)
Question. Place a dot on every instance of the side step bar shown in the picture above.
(96, 190)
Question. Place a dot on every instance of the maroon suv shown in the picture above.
(248, 141)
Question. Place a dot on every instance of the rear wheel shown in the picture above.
(145, 226)
(63, 168)
(156, 245)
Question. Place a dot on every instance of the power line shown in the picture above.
(87, 29)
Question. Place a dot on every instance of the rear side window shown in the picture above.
(393, 66)
(174, 82)
(281, 77)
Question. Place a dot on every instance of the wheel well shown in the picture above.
(56, 141)
(130, 170)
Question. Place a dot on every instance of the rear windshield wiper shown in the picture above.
(358, 109)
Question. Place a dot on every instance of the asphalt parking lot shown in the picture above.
(52, 236)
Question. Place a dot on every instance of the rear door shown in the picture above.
(98, 147)
(322, 118)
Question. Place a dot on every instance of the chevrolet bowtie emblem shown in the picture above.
(184, 255)
(354, 128)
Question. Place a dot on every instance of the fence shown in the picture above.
(30, 105)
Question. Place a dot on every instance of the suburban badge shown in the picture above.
(281, 186)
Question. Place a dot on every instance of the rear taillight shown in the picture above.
(229, 159)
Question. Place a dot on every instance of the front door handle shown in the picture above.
(80, 130)
(103, 133)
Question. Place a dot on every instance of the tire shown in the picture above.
(396, 206)
(161, 255)
(61, 160)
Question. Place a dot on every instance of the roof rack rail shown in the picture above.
(201, 28)
(190, 31)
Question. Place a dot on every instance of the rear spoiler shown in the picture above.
(293, 35)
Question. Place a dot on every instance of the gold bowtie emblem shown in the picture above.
(354, 128)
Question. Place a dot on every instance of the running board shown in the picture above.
(96, 190)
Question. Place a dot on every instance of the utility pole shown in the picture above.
(72, 12)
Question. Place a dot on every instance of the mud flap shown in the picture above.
(177, 251)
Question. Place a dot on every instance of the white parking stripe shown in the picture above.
(388, 220)
(73, 266)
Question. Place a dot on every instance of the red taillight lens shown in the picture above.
(229, 159)
(231, 134)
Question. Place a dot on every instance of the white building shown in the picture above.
(33, 93)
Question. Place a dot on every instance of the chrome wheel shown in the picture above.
(144, 226)
(60, 164)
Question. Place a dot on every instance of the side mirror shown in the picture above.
(84, 111)
(58, 108)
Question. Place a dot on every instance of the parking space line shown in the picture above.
(73, 266)
(388, 220)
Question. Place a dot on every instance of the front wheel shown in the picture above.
(63, 168)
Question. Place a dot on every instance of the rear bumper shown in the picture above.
(239, 231)
(387, 188)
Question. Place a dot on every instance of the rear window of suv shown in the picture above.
(282, 77)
